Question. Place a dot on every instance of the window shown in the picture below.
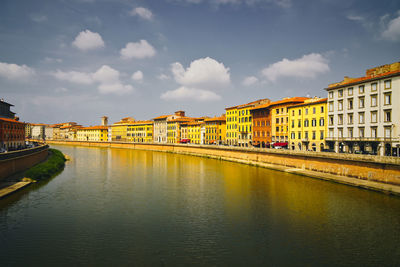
(361, 132)
(299, 135)
(292, 112)
(388, 116)
(350, 132)
(373, 132)
(388, 99)
(306, 111)
(388, 132)
(293, 135)
(305, 123)
(277, 111)
(330, 132)
(340, 93)
(330, 106)
(292, 123)
(340, 132)
(340, 119)
(321, 135)
(299, 111)
(350, 118)
(374, 87)
(314, 135)
(277, 120)
(330, 95)
(277, 129)
(350, 91)
(322, 109)
(340, 105)
(299, 123)
(330, 120)
(321, 122)
(361, 117)
(374, 100)
(350, 103)
(313, 122)
(388, 84)
(313, 110)
(361, 102)
(306, 135)
(374, 116)
(361, 89)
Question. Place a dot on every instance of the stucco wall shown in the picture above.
(365, 167)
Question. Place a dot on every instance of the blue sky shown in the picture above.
(78, 60)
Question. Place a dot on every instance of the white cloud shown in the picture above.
(141, 49)
(250, 80)
(15, 72)
(87, 40)
(199, 80)
(203, 72)
(163, 77)
(308, 66)
(184, 93)
(137, 76)
(38, 18)
(52, 60)
(142, 12)
(355, 18)
(74, 77)
(281, 3)
(107, 79)
(392, 32)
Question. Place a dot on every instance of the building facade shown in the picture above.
(140, 132)
(307, 125)
(119, 130)
(93, 133)
(215, 130)
(364, 113)
(280, 119)
(161, 126)
(261, 126)
(12, 134)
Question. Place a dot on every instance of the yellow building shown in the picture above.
(174, 129)
(194, 132)
(232, 126)
(140, 132)
(215, 130)
(94, 133)
(239, 123)
(119, 130)
(307, 125)
(280, 119)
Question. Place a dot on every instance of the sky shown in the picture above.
(79, 60)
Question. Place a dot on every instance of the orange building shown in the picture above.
(261, 125)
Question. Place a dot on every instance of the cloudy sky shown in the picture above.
(77, 60)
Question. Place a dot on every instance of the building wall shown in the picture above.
(12, 134)
(308, 126)
(357, 116)
(261, 127)
(244, 126)
(97, 135)
(232, 120)
(279, 123)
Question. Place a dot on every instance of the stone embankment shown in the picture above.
(371, 172)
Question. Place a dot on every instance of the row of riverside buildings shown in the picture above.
(359, 115)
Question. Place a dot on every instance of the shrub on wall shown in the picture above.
(47, 169)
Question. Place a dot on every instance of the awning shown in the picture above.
(281, 144)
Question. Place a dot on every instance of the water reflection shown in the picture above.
(119, 206)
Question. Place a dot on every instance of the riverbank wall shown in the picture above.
(21, 160)
(373, 172)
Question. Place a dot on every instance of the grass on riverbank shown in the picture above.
(50, 167)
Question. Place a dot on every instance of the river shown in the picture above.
(120, 207)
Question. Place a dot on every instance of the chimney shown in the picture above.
(180, 113)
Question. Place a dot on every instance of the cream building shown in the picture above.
(364, 113)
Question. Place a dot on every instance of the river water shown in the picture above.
(127, 207)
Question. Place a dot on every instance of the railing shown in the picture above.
(367, 139)
(23, 152)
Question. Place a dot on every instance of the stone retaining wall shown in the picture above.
(17, 161)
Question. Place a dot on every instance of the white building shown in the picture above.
(48, 132)
(160, 126)
(38, 131)
(364, 113)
